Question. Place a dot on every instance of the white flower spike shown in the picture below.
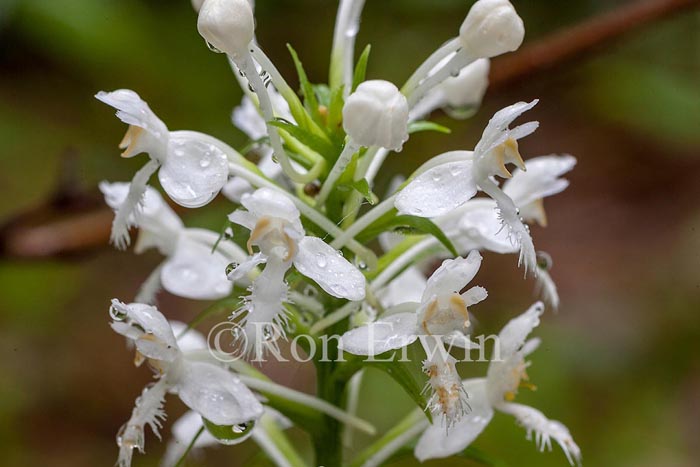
(496, 392)
(447, 186)
(213, 392)
(276, 230)
(441, 317)
(193, 166)
(191, 269)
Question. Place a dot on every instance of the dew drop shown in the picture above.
(321, 260)
(231, 267)
(544, 260)
(242, 427)
(204, 163)
(213, 48)
(116, 314)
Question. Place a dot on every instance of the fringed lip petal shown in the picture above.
(217, 394)
(436, 442)
(319, 261)
(390, 333)
(438, 190)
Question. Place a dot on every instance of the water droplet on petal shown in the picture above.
(213, 48)
(231, 267)
(321, 260)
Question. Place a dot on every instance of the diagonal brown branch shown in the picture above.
(571, 43)
(57, 228)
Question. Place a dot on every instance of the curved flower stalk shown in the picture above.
(213, 392)
(247, 118)
(347, 24)
(191, 269)
(193, 167)
(491, 28)
(506, 373)
(447, 186)
(275, 228)
(229, 26)
(442, 316)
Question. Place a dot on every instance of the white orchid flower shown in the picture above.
(193, 166)
(442, 316)
(459, 175)
(476, 223)
(275, 228)
(213, 392)
(506, 373)
(191, 269)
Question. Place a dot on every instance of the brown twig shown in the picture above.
(74, 223)
(571, 43)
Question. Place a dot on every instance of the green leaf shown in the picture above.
(362, 186)
(360, 68)
(425, 125)
(312, 141)
(406, 224)
(409, 374)
(335, 113)
(323, 94)
(306, 88)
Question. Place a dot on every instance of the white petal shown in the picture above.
(540, 180)
(319, 261)
(406, 287)
(452, 276)
(547, 288)
(133, 110)
(191, 341)
(272, 203)
(244, 218)
(513, 335)
(194, 171)
(534, 421)
(474, 295)
(153, 337)
(495, 131)
(393, 332)
(195, 272)
(437, 442)
(437, 191)
(241, 271)
(217, 394)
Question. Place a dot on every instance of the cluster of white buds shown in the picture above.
(298, 258)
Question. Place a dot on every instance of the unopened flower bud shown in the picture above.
(492, 27)
(468, 88)
(376, 114)
(227, 25)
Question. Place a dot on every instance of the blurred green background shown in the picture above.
(620, 364)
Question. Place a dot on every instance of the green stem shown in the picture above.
(270, 437)
(382, 449)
